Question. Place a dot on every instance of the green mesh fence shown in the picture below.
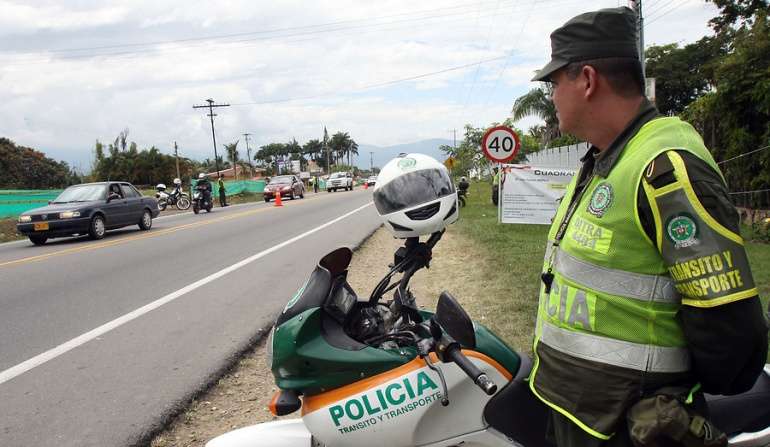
(15, 201)
(233, 187)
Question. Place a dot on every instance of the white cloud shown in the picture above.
(327, 51)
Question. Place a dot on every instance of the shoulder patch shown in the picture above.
(660, 172)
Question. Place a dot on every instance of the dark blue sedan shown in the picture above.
(90, 208)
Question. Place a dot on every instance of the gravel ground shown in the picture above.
(241, 397)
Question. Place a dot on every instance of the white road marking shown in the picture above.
(51, 354)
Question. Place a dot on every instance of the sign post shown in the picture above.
(500, 145)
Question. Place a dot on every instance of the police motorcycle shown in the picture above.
(202, 196)
(371, 372)
(175, 198)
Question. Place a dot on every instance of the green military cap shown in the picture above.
(610, 32)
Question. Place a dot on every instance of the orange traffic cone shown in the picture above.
(278, 199)
(366, 185)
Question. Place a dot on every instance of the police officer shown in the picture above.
(495, 185)
(646, 282)
(222, 191)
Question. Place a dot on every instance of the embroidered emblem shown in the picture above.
(601, 200)
(682, 230)
(406, 163)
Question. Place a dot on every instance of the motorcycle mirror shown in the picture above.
(455, 321)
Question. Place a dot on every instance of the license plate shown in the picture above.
(41, 226)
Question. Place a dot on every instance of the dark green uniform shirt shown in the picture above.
(728, 343)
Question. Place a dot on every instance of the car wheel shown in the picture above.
(97, 228)
(267, 199)
(38, 239)
(146, 222)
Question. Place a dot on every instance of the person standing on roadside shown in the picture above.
(222, 191)
(495, 185)
(646, 283)
(315, 184)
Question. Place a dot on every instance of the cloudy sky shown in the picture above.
(387, 72)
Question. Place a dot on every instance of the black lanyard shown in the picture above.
(547, 277)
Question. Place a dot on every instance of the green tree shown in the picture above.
(231, 150)
(732, 12)
(27, 168)
(683, 74)
(537, 102)
(735, 118)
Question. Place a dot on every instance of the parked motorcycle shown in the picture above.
(461, 193)
(202, 200)
(374, 373)
(175, 198)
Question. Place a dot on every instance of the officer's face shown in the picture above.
(567, 99)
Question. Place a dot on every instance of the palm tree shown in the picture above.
(538, 102)
(352, 148)
(340, 144)
(232, 155)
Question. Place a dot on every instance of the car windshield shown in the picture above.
(338, 175)
(280, 181)
(81, 193)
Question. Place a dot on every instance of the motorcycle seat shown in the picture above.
(516, 412)
(745, 412)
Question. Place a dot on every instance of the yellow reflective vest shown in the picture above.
(606, 326)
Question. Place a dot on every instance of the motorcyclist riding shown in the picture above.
(204, 185)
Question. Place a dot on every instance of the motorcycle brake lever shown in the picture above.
(445, 391)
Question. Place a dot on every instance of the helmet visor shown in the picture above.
(412, 189)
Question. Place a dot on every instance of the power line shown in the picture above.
(510, 53)
(203, 42)
(745, 154)
(657, 6)
(371, 86)
(260, 35)
(252, 33)
(677, 6)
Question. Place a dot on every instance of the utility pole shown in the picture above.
(211, 115)
(636, 5)
(454, 137)
(248, 154)
(371, 163)
(326, 147)
(176, 154)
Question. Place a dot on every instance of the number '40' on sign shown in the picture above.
(500, 144)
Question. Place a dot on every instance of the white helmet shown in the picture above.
(177, 181)
(201, 176)
(414, 196)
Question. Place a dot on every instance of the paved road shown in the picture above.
(100, 340)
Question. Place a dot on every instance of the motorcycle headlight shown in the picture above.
(25, 219)
(69, 214)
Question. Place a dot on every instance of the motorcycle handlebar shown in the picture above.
(479, 378)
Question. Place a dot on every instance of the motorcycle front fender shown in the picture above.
(284, 433)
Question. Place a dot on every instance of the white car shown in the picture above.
(371, 181)
(340, 180)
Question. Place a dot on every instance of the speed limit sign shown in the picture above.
(500, 144)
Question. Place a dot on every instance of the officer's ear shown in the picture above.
(590, 80)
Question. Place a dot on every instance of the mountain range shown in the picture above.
(382, 154)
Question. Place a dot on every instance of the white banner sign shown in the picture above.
(530, 195)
